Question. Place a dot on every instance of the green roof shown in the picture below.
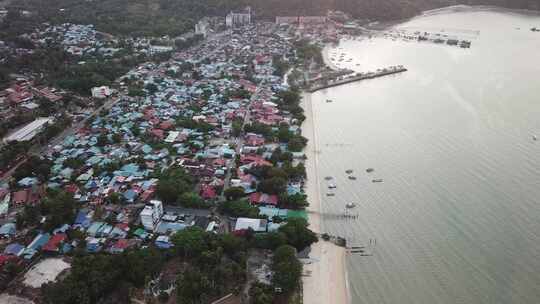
(297, 213)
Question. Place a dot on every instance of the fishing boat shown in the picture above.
(369, 170)
(328, 178)
(378, 180)
(351, 177)
(349, 171)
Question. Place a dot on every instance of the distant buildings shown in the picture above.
(29, 131)
(101, 92)
(151, 214)
(235, 19)
(300, 20)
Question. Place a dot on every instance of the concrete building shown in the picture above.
(29, 131)
(257, 225)
(101, 92)
(202, 27)
(234, 19)
(151, 214)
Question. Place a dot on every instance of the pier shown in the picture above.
(357, 77)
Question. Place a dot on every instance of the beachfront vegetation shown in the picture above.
(287, 270)
(290, 101)
(297, 233)
(93, 277)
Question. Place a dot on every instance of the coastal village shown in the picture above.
(206, 143)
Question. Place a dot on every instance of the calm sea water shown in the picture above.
(457, 218)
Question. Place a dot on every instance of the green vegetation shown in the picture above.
(195, 125)
(215, 265)
(59, 207)
(134, 17)
(259, 128)
(93, 277)
(308, 52)
(12, 152)
(241, 208)
(297, 233)
(34, 167)
(234, 193)
(295, 202)
(290, 101)
(173, 184)
(192, 200)
(287, 269)
(280, 65)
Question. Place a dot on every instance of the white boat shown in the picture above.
(332, 186)
(350, 205)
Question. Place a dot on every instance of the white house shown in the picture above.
(151, 214)
(101, 92)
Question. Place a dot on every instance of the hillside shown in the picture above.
(173, 17)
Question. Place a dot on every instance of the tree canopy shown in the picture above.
(297, 233)
(287, 270)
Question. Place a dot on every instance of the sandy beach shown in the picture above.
(325, 279)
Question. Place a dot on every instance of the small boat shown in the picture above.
(350, 205)
(330, 194)
(349, 171)
(378, 180)
(534, 137)
(352, 177)
(329, 100)
(328, 178)
(369, 170)
(332, 186)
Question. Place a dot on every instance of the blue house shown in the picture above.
(8, 229)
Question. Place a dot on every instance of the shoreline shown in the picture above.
(326, 58)
(326, 280)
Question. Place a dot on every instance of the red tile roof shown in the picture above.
(54, 242)
(263, 198)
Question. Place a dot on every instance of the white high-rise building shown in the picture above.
(151, 214)
(234, 19)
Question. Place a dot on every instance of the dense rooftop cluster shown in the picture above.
(215, 127)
